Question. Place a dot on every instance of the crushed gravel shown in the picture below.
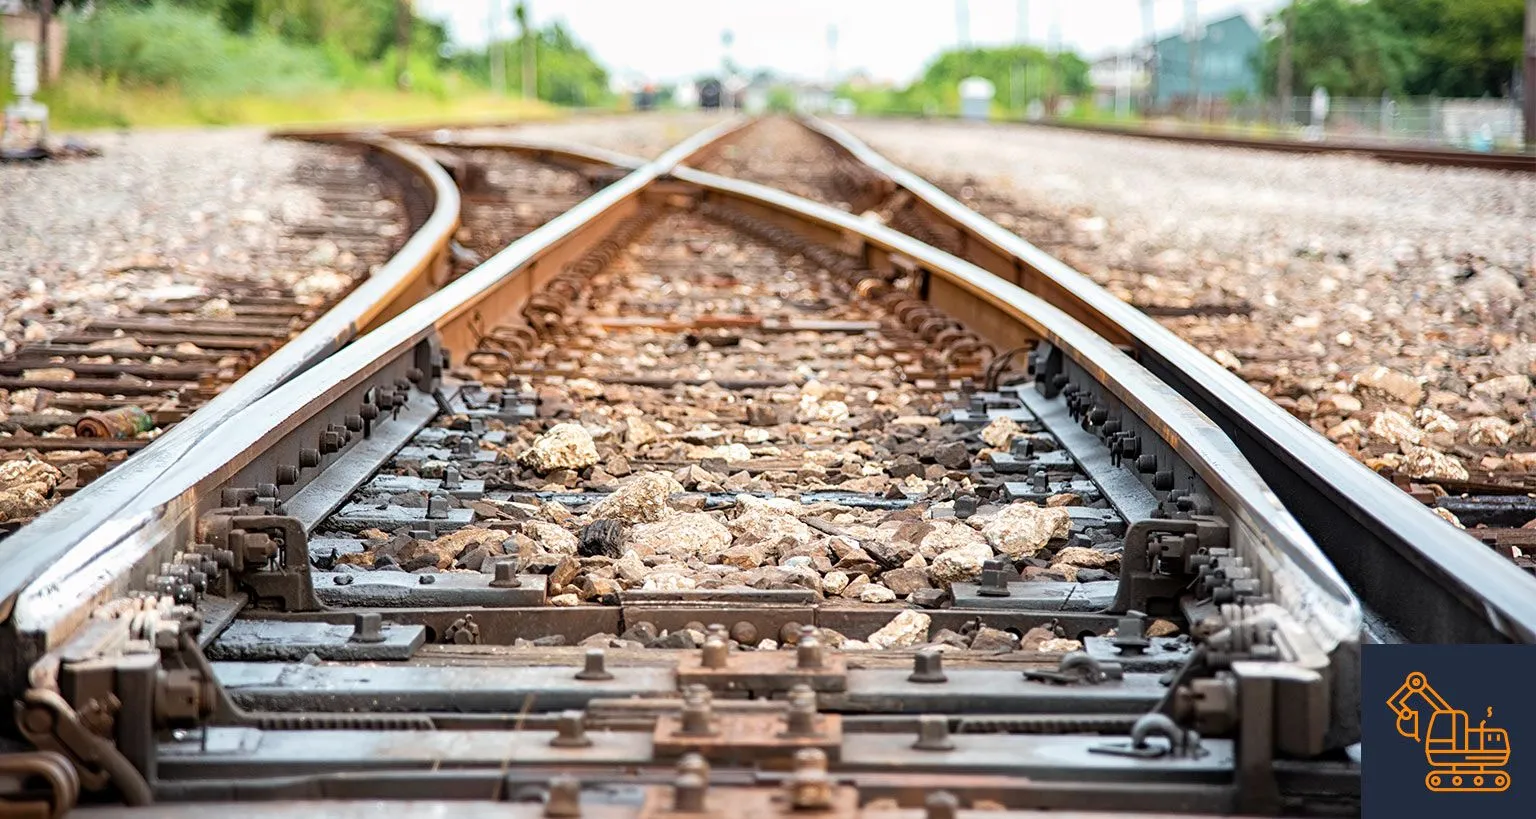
(157, 212)
(1342, 287)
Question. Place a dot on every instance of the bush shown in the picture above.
(173, 47)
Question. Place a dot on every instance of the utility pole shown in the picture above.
(402, 44)
(1284, 80)
(530, 52)
(1528, 83)
(1055, 56)
(832, 55)
(963, 22)
(1149, 29)
(493, 50)
(1192, 36)
(1022, 23)
(44, 52)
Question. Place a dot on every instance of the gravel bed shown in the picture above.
(163, 229)
(1388, 306)
(158, 212)
(644, 135)
(708, 411)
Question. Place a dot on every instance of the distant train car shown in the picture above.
(645, 98)
(710, 94)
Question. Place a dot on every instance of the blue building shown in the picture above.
(1228, 51)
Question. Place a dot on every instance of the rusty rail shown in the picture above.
(415, 270)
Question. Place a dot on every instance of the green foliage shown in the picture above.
(1352, 49)
(168, 46)
(1467, 48)
(567, 72)
(781, 99)
(1463, 48)
(1019, 73)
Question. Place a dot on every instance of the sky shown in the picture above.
(668, 40)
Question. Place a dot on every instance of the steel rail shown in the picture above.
(1384, 152)
(1426, 581)
(103, 562)
(543, 150)
(415, 269)
(1307, 585)
(1320, 618)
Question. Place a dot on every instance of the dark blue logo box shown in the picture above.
(1448, 731)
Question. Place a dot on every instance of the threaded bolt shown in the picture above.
(595, 669)
(715, 653)
(809, 786)
(941, 805)
(571, 731)
(933, 734)
(564, 798)
(367, 627)
(800, 719)
(506, 575)
(808, 653)
(698, 718)
(688, 793)
(928, 667)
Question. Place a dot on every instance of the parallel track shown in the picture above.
(1384, 152)
(663, 287)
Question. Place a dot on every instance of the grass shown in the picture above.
(81, 103)
(164, 66)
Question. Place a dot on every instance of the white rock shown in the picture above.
(908, 628)
(1022, 529)
(947, 535)
(639, 431)
(1394, 428)
(693, 534)
(1423, 462)
(763, 522)
(1391, 384)
(669, 581)
(1491, 432)
(1505, 386)
(551, 537)
(630, 567)
(1348, 428)
(564, 446)
(834, 582)
(959, 564)
(643, 499)
(876, 593)
(1000, 433)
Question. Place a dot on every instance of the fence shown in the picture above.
(1473, 124)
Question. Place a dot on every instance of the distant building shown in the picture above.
(1119, 79)
(1228, 52)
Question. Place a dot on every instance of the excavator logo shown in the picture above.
(1462, 759)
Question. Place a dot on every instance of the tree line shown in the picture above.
(1450, 48)
(236, 46)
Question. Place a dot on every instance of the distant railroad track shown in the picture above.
(1385, 152)
(381, 578)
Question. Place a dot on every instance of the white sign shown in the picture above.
(24, 71)
(1319, 105)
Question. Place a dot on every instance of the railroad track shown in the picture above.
(703, 497)
(1384, 152)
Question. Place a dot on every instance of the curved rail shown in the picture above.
(1426, 580)
(101, 562)
(1307, 585)
(415, 270)
(1318, 615)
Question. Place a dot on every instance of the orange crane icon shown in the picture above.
(1462, 759)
